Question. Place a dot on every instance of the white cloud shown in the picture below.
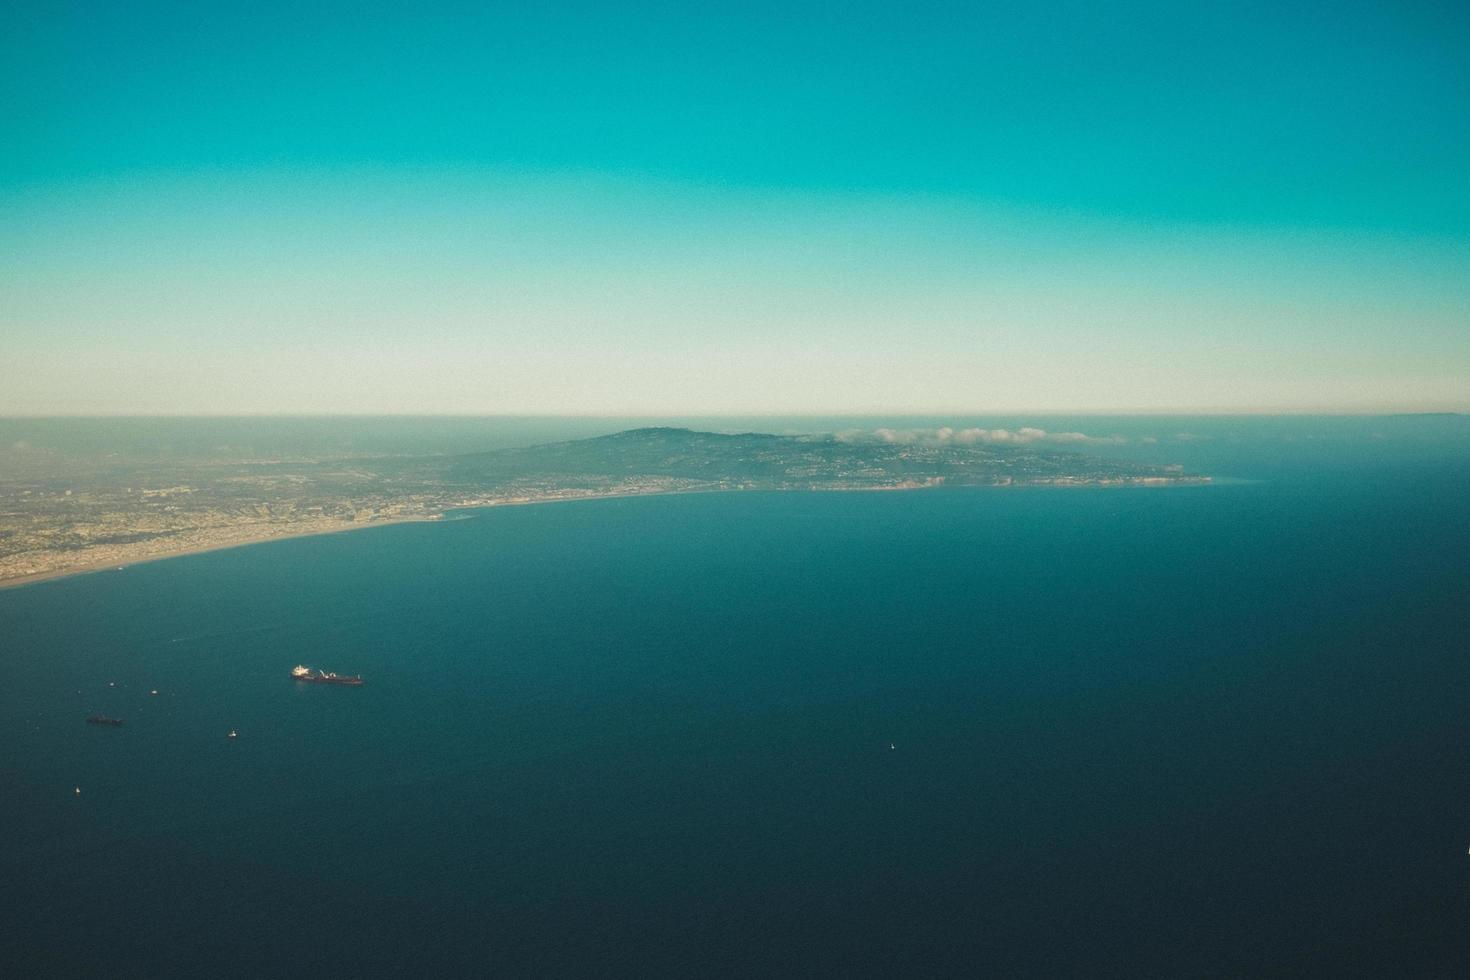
(945, 435)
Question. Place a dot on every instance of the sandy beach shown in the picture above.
(188, 543)
(116, 557)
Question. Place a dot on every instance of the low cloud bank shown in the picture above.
(945, 436)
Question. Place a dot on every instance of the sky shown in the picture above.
(785, 208)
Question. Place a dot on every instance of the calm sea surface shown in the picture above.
(1195, 731)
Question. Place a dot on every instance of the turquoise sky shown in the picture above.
(783, 208)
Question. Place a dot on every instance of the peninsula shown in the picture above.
(62, 514)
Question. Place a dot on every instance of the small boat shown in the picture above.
(233, 734)
(103, 720)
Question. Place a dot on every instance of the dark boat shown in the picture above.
(310, 676)
(104, 720)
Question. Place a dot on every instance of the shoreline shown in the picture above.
(97, 567)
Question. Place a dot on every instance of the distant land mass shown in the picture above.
(61, 514)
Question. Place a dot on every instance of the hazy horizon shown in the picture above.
(739, 416)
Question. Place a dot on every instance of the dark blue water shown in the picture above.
(1194, 731)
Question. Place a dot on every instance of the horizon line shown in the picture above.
(864, 414)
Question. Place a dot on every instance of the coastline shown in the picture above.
(287, 532)
(95, 567)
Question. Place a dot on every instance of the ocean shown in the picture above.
(1202, 731)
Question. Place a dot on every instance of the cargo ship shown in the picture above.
(324, 677)
(104, 720)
